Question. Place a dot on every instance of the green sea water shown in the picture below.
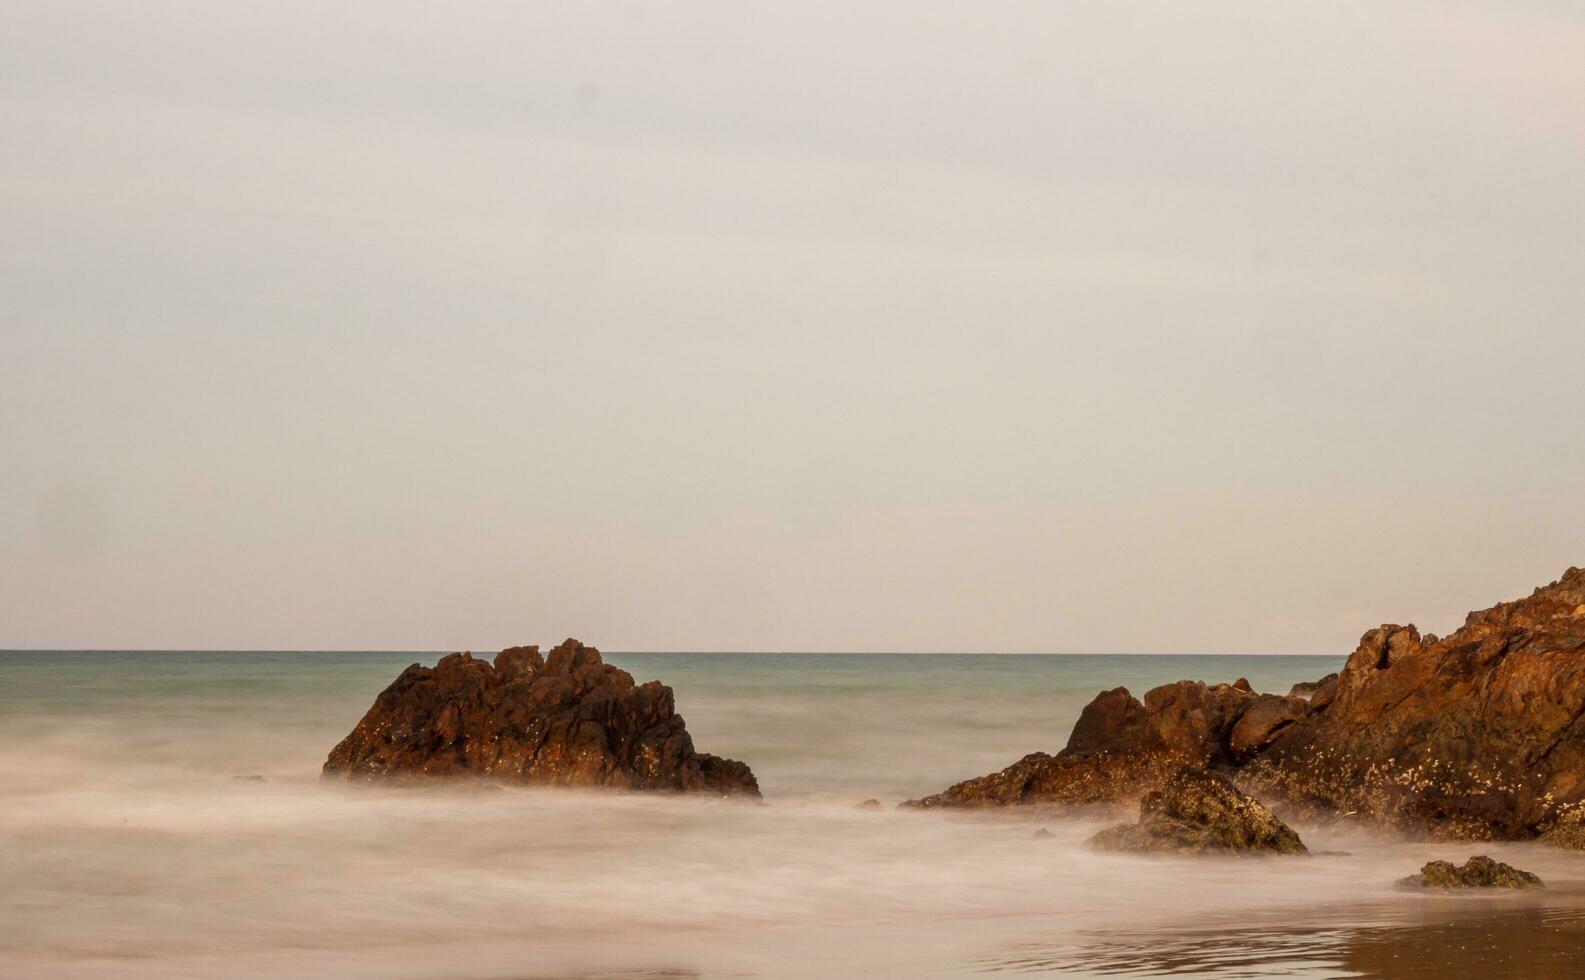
(809, 724)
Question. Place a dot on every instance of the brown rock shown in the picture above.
(1190, 719)
(1196, 811)
(571, 720)
(1478, 872)
(1262, 723)
(1478, 734)
(1567, 832)
(1309, 689)
(1475, 735)
(1121, 747)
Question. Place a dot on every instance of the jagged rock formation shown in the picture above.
(1480, 734)
(1195, 811)
(1476, 735)
(569, 720)
(1478, 872)
(1122, 747)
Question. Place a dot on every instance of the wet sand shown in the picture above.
(1452, 937)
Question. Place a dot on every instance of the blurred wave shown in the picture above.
(161, 816)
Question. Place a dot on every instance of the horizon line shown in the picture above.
(723, 653)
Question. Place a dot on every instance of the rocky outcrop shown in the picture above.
(1480, 734)
(1195, 811)
(1309, 689)
(1123, 747)
(567, 720)
(1478, 872)
(1476, 735)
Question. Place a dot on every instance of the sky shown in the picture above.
(1062, 327)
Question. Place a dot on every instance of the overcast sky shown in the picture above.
(1070, 327)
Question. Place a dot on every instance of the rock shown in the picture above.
(1042, 834)
(1568, 832)
(1262, 722)
(1196, 811)
(1478, 872)
(1476, 735)
(1102, 779)
(569, 720)
(1122, 747)
(1308, 689)
(868, 805)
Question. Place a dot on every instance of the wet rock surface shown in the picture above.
(1478, 872)
(1196, 811)
(569, 719)
(1568, 832)
(1476, 735)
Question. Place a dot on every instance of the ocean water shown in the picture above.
(161, 815)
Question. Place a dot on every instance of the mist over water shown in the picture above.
(161, 816)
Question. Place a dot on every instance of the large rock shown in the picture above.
(1196, 811)
(1480, 734)
(1122, 748)
(1262, 722)
(1475, 735)
(1479, 871)
(569, 720)
(1311, 689)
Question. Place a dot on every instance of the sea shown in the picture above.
(162, 815)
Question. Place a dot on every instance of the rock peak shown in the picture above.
(571, 655)
(567, 720)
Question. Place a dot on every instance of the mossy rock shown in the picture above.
(1479, 871)
(1197, 811)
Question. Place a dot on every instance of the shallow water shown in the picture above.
(161, 816)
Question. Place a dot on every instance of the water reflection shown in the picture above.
(1445, 937)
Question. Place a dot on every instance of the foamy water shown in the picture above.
(161, 816)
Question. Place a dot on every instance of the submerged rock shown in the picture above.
(1478, 872)
(870, 804)
(569, 720)
(1196, 811)
(1479, 734)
